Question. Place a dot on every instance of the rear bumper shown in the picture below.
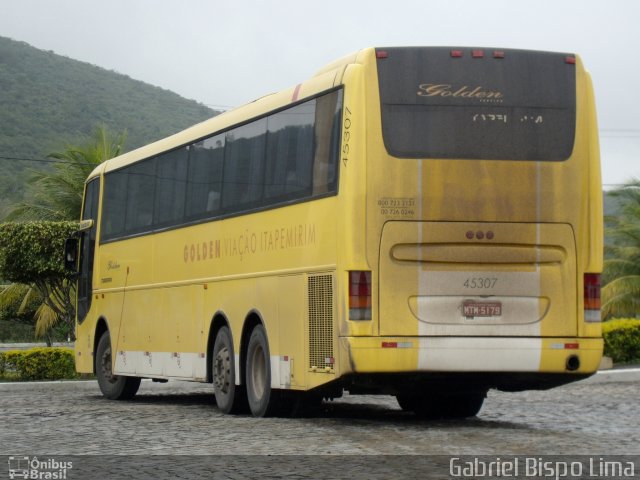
(576, 356)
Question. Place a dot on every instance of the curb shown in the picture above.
(26, 346)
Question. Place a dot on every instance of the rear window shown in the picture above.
(521, 106)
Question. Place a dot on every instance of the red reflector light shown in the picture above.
(571, 346)
(592, 291)
(498, 54)
(456, 53)
(360, 295)
(389, 344)
(570, 60)
(477, 54)
(592, 297)
(382, 54)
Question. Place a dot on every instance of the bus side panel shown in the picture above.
(178, 321)
(594, 235)
(292, 334)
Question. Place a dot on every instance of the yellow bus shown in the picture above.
(423, 222)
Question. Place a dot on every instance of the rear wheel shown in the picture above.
(407, 402)
(114, 387)
(263, 400)
(229, 397)
(443, 406)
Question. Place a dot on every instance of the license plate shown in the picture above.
(473, 308)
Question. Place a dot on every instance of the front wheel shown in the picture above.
(113, 387)
(263, 400)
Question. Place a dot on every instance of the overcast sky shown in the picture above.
(225, 53)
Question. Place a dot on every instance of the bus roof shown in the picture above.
(321, 81)
(325, 78)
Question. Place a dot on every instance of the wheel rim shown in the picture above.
(258, 371)
(105, 366)
(222, 370)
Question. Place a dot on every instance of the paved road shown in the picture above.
(598, 416)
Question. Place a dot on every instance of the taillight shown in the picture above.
(591, 297)
(360, 295)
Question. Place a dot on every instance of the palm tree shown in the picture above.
(18, 299)
(56, 196)
(621, 276)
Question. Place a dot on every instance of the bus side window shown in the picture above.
(289, 156)
(326, 140)
(140, 196)
(171, 187)
(115, 200)
(244, 166)
(204, 184)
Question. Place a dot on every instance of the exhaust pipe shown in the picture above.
(573, 363)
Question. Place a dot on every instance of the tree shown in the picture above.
(621, 276)
(57, 195)
(32, 253)
(18, 304)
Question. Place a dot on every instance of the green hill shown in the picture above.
(48, 101)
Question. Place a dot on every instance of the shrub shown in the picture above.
(44, 363)
(622, 340)
(34, 251)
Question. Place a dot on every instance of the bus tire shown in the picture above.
(463, 406)
(443, 406)
(230, 397)
(112, 386)
(263, 400)
(407, 402)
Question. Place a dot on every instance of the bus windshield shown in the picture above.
(485, 104)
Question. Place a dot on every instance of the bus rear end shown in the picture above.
(483, 224)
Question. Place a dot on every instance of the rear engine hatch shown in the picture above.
(477, 279)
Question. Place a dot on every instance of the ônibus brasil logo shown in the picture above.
(33, 468)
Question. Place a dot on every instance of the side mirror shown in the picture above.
(85, 225)
(71, 247)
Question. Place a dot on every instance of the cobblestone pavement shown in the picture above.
(598, 416)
